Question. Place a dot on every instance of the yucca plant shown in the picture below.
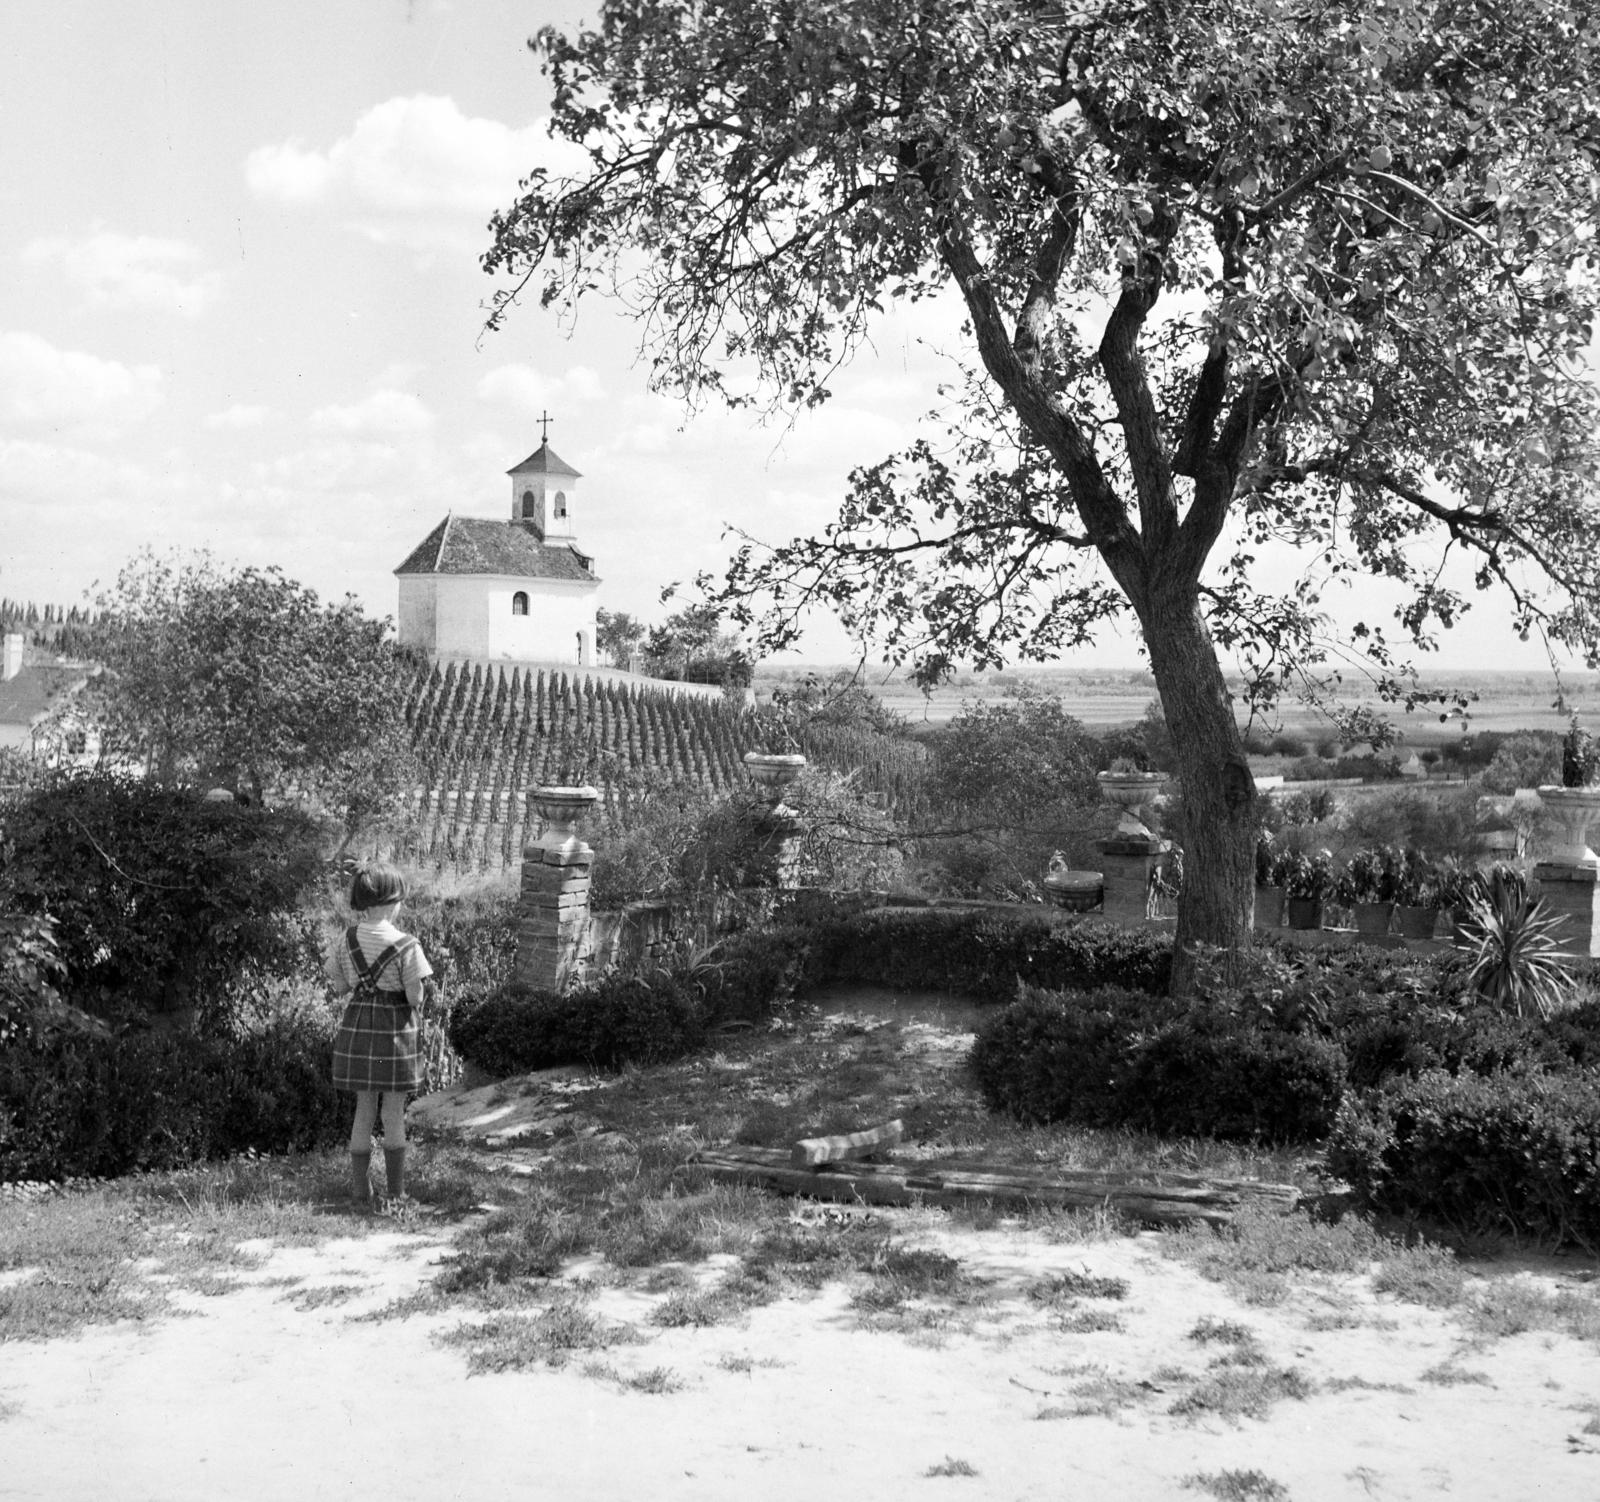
(1517, 965)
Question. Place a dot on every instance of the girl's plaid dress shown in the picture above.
(377, 1047)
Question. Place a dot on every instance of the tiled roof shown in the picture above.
(480, 545)
(27, 696)
(545, 461)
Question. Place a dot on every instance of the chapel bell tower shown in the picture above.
(541, 493)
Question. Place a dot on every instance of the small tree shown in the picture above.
(245, 680)
(617, 635)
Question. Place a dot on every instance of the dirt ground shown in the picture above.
(280, 1384)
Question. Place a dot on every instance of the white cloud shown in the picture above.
(131, 271)
(42, 386)
(385, 413)
(412, 171)
(238, 417)
(529, 389)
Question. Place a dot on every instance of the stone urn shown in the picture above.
(561, 808)
(1073, 891)
(1131, 791)
(772, 772)
(1572, 811)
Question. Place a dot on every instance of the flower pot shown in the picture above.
(1415, 922)
(1269, 906)
(1372, 918)
(561, 808)
(1305, 912)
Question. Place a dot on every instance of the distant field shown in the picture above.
(1506, 701)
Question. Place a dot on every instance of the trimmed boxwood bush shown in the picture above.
(1515, 1151)
(91, 1105)
(644, 1016)
(985, 955)
(1063, 1056)
(1123, 1058)
(1205, 1076)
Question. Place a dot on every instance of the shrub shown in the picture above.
(647, 1015)
(986, 955)
(87, 1104)
(1205, 1076)
(1514, 1151)
(1124, 1058)
(163, 901)
(1063, 1056)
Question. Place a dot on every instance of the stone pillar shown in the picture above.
(1573, 892)
(1127, 862)
(553, 925)
(778, 832)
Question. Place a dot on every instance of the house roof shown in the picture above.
(27, 696)
(481, 545)
(545, 461)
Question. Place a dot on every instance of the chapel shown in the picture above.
(513, 589)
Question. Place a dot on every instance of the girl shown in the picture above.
(376, 1052)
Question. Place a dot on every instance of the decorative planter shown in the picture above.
(1269, 906)
(1573, 811)
(1074, 891)
(1305, 912)
(561, 808)
(1372, 918)
(773, 771)
(1131, 791)
(1416, 922)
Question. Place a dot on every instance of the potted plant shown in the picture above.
(1269, 889)
(1367, 887)
(1458, 889)
(1575, 805)
(1417, 896)
(1310, 880)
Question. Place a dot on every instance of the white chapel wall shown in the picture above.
(474, 618)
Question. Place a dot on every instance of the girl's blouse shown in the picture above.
(411, 969)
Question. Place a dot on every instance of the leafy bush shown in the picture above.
(1204, 1076)
(90, 1104)
(1123, 1058)
(163, 901)
(984, 955)
(1063, 1056)
(644, 1016)
(1514, 1151)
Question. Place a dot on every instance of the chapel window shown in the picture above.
(519, 603)
(530, 505)
(561, 503)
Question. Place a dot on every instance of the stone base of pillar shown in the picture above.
(1574, 893)
(1127, 864)
(553, 924)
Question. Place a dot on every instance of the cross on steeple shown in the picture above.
(544, 427)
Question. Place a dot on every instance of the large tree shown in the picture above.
(1231, 272)
(244, 679)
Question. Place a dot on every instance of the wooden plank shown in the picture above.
(1191, 1201)
(814, 1151)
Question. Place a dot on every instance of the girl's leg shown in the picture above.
(394, 1141)
(361, 1146)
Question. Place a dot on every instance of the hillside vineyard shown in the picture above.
(485, 738)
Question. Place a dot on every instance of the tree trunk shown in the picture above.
(1219, 801)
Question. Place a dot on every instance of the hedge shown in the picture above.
(1517, 1151)
(95, 1105)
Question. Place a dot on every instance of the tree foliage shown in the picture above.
(1231, 271)
(245, 679)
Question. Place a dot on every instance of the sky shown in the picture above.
(241, 310)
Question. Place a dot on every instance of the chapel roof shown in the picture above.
(482, 545)
(545, 460)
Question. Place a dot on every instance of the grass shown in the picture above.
(951, 1467)
(1237, 1486)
